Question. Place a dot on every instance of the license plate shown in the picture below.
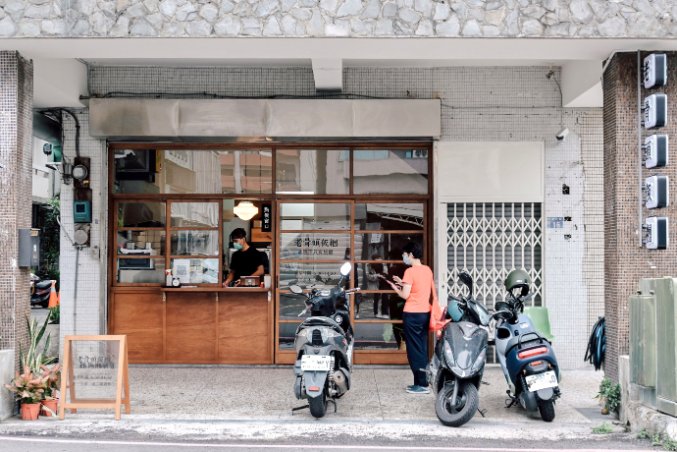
(541, 381)
(315, 362)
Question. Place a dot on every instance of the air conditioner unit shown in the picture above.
(655, 111)
(656, 151)
(657, 192)
(656, 233)
(655, 70)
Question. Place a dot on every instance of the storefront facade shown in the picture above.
(495, 178)
(172, 206)
(503, 191)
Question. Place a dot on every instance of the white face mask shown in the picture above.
(406, 259)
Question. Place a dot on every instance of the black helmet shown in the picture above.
(518, 279)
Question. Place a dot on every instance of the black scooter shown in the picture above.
(40, 291)
(455, 371)
(324, 347)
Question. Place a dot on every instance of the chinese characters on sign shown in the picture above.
(266, 218)
(316, 246)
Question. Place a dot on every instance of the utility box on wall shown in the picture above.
(643, 340)
(29, 248)
(653, 336)
(666, 333)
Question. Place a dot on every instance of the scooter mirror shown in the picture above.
(345, 268)
(296, 289)
(467, 280)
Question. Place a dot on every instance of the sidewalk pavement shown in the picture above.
(254, 403)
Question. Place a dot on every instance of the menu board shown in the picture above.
(95, 374)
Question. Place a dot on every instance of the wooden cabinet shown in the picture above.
(194, 326)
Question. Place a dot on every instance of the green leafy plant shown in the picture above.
(663, 441)
(28, 387)
(50, 238)
(603, 429)
(610, 394)
(52, 377)
(55, 315)
(643, 434)
(36, 357)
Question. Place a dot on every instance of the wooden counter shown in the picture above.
(194, 325)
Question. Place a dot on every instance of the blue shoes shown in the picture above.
(415, 389)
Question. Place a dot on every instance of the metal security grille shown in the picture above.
(488, 240)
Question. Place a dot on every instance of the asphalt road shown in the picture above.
(133, 444)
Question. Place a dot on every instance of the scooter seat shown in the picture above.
(323, 321)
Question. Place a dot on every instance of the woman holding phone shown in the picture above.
(415, 287)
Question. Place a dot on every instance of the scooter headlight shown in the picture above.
(448, 355)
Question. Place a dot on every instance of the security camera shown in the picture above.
(562, 134)
(47, 148)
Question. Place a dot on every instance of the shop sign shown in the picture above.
(95, 368)
(266, 218)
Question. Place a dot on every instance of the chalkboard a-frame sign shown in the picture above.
(93, 364)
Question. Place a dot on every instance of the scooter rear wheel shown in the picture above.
(318, 405)
(547, 410)
(467, 402)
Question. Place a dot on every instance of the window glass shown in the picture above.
(196, 271)
(390, 171)
(291, 305)
(135, 243)
(378, 336)
(312, 172)
(166, 171)
(306, 274)
(246, 171)
(195, 214)
(389, 216)
(287, 333)
(140, 270)
(314, 216)
(308, 246)
(195, 243)
(375, 246)
(141, 214)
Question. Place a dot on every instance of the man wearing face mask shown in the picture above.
(246, 261)
(415, 287)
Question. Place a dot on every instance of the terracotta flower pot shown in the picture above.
(50, 404)
(30, 411)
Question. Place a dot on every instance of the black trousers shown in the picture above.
(416, 337)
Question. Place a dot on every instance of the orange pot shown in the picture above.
(30, 411)
(52, 405)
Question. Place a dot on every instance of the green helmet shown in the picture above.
(518, 279)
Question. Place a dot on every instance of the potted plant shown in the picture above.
(609, 396)
(50, 401)
(28, 388)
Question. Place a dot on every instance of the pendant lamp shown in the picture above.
(245, 210)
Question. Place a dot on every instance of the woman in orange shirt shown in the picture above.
(415, 287)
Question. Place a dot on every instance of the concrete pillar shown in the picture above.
(16, 129)
(625, 261)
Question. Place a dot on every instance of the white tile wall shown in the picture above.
(479, 104)
(83, 314)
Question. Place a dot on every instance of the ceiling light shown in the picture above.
(245, 210)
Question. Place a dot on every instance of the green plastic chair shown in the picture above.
(539, 317)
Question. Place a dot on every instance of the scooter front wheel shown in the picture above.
(318, 405)
(467, 402)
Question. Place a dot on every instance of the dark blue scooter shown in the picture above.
(527, 359)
